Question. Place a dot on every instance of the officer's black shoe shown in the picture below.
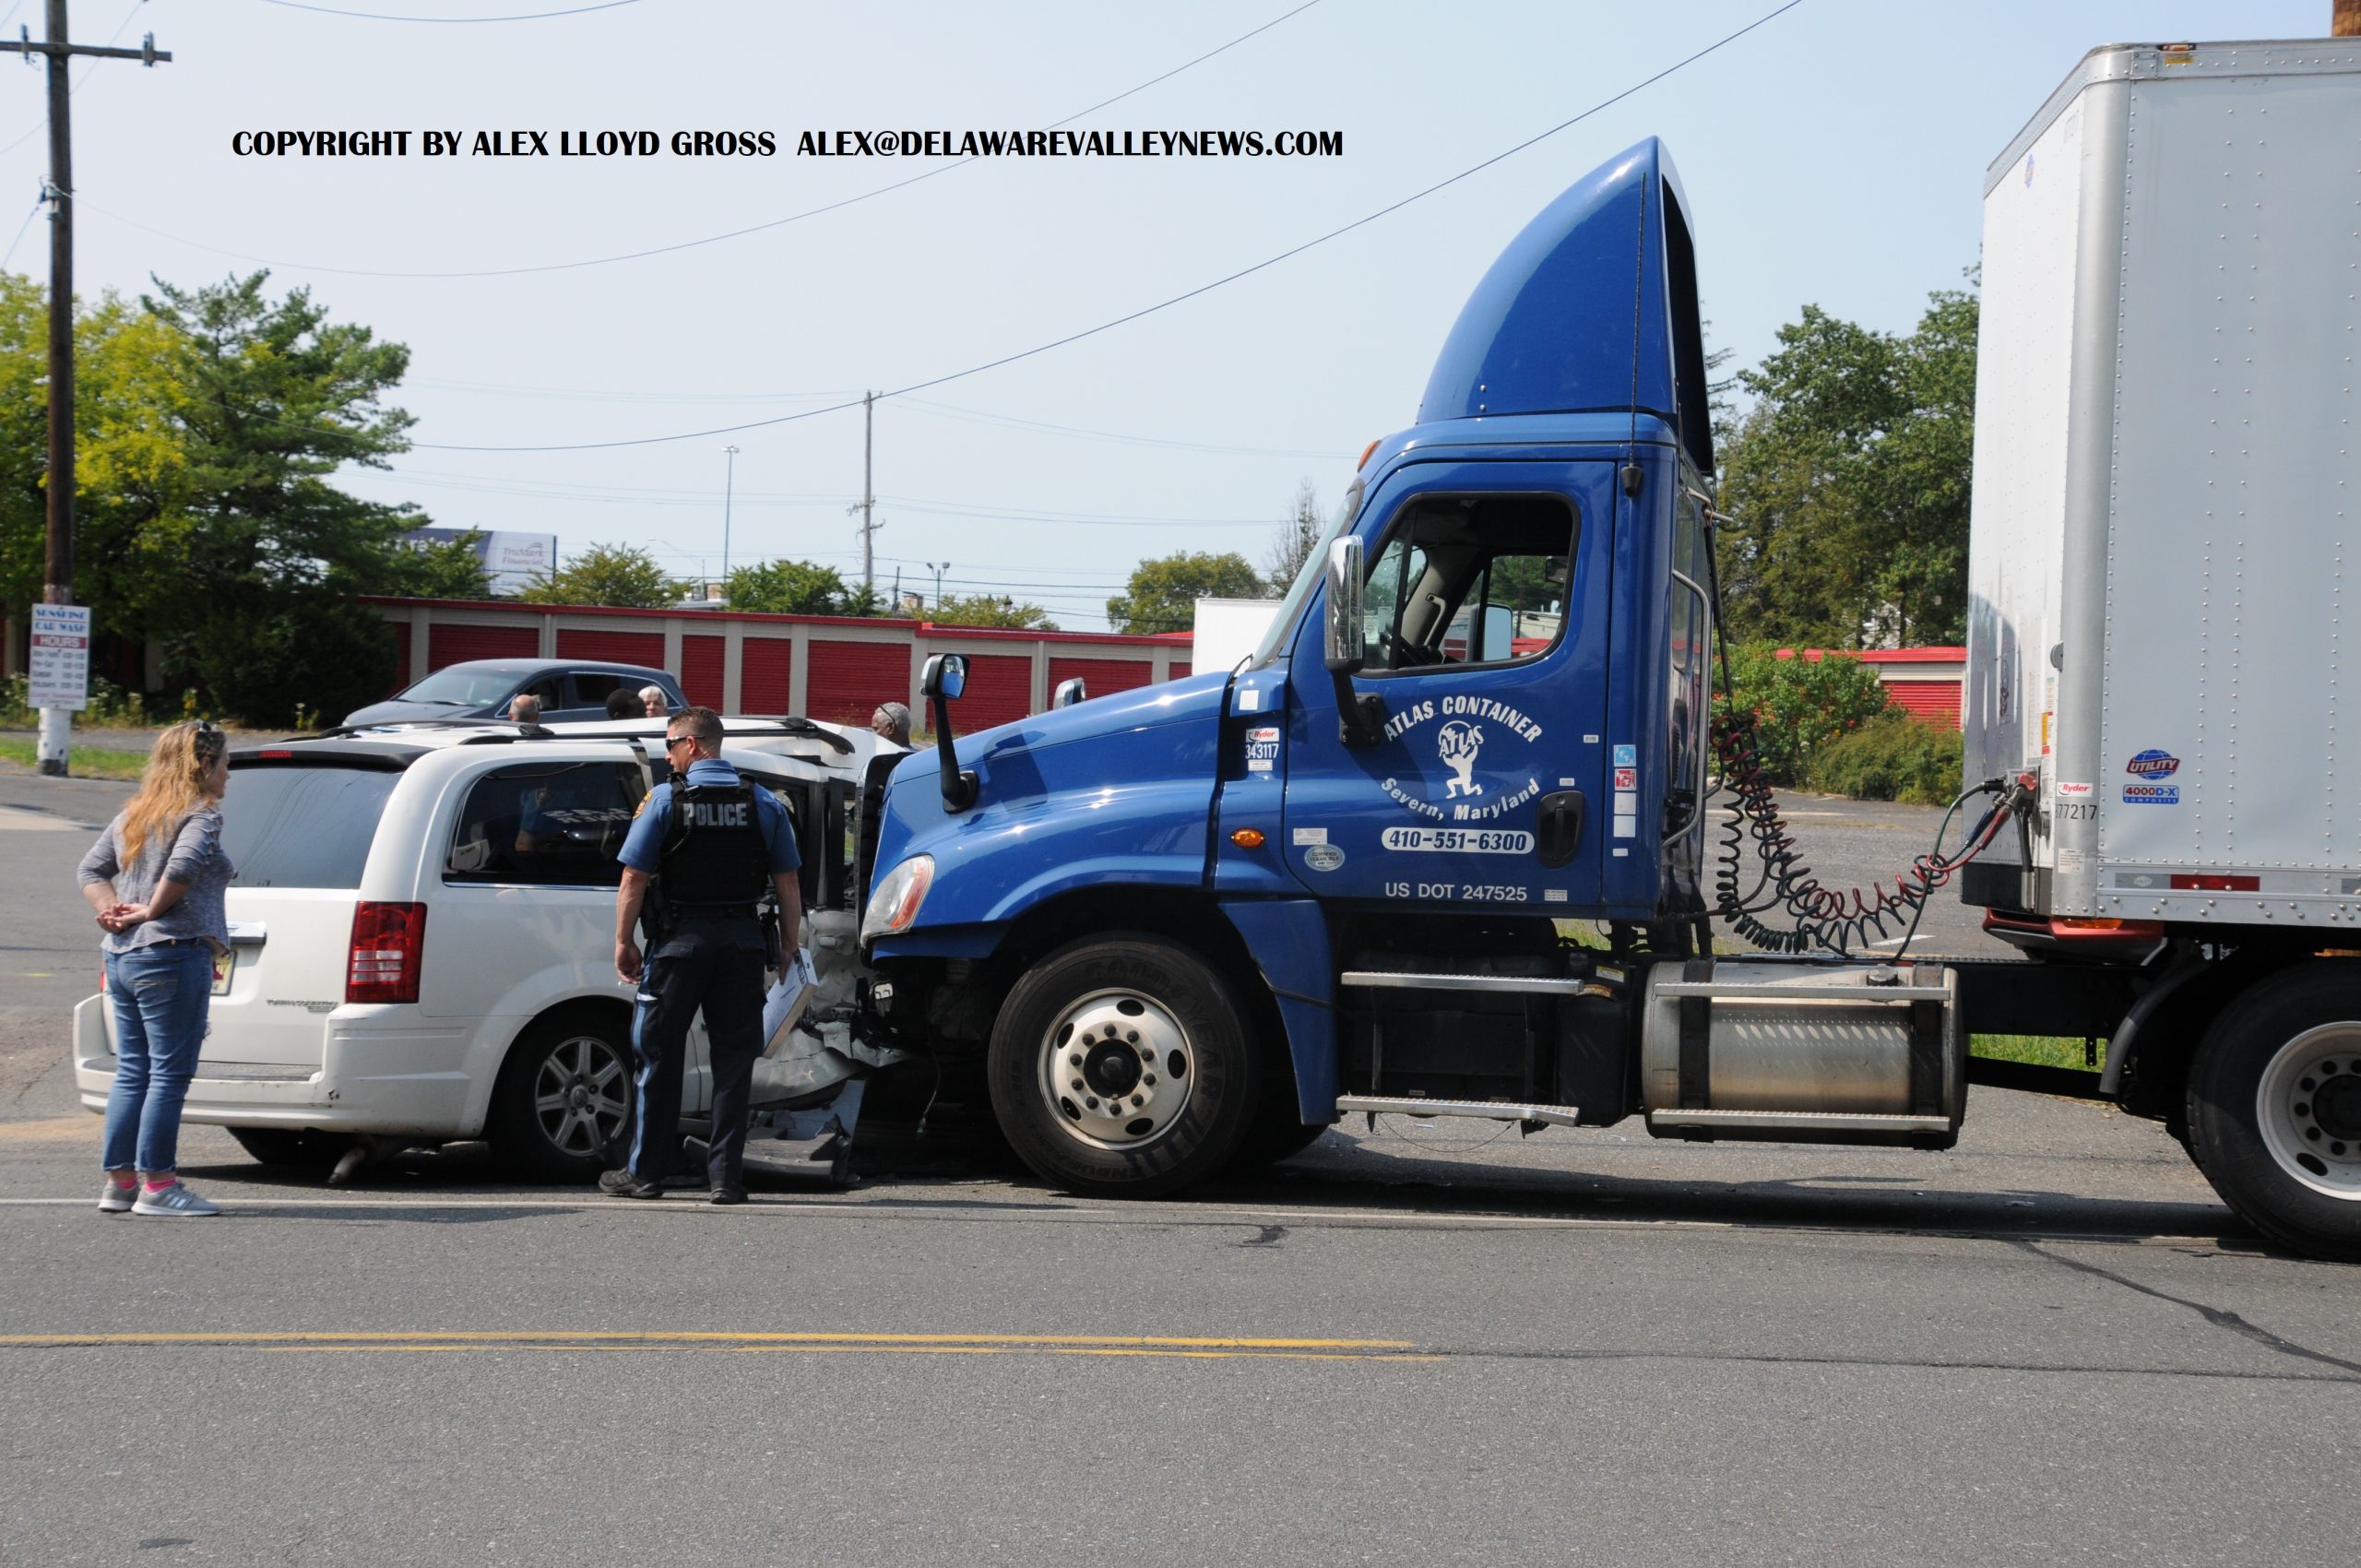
(622, 1183)
(727, 1195)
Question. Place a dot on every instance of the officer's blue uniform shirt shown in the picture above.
(644, 845)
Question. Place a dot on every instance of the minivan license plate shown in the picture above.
(223, 963)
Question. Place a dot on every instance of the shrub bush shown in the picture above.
(1891, 757)
(290, 661)
(111, 705)
(1801, 703)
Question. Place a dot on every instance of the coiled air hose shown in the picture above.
(1838, 922)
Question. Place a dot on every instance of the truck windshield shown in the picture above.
(1306, 579)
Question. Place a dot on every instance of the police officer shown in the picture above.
(712, 845)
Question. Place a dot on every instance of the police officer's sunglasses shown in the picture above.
(672, 741)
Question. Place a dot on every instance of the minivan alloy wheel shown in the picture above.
(581, 1094)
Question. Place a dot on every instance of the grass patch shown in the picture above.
(83, 761)
(2041, 1051)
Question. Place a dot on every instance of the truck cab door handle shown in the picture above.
(1561, 826)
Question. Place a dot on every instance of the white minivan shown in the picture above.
(422, 939)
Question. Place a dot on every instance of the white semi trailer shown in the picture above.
(2165, 492)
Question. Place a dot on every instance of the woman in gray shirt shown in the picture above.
(155, 880)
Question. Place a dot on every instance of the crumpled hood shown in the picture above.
(1120, 787)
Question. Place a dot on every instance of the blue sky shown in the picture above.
(1834, 156)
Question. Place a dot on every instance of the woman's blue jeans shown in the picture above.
(159, 996)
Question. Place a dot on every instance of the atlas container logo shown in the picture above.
(2154, 764)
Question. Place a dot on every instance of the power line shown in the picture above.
(979, 416)
(380, 16)
(1144, 310)
(945, 410)
(621, 495)
(684, 245)
(591, 395)
(38, 202)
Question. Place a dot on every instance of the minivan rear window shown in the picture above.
(302, 827)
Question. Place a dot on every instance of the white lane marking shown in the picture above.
(16, 819)
(1143, 1214)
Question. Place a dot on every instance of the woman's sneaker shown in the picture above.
(114, 1199)
(175, 1201)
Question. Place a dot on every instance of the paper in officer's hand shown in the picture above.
(783, 1007)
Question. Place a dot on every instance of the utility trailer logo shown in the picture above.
(2152, 764)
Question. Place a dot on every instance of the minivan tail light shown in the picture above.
(387, 940)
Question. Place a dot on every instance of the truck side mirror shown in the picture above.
(943, 678)
(1345, 650)
(1361, 716)
(1070, 691)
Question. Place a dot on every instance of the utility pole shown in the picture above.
(728, 483)
(57, 576)
(869, 525)
(938, 568)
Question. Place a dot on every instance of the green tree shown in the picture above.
(1296, 539)
(250, 552)
(1801, 702)
(620, 575)
(1163, 593)
(442, 568)
(793, 588)
(128, 452)
(1848, 479)
(990, 609)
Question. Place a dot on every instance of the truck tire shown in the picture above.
(2274, 1107)
(563, 1106)
(1154, 1039)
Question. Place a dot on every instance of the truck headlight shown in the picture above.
(895, 903)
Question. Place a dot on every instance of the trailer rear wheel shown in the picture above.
(2274, 1107)
(1120, 1067)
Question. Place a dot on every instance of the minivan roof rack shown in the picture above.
(500, 732)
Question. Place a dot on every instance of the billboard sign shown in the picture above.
(513, 561)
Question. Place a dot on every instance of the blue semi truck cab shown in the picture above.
(1479, 711)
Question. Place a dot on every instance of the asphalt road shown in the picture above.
(1406, 1346)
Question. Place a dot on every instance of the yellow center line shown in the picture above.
(667, 1339)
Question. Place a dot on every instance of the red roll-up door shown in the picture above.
(999, 688)
(847, 680)
(447, 644)
(1101, 677)
(765, 665)
(614, 648)
(701, 670)
(1929, 702)
(1179, 667)
(401, 658)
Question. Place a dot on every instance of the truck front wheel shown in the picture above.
(2274, 1107)
(1120, 1067)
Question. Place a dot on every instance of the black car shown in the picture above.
(482, 688)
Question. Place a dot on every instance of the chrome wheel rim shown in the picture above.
(2308, 1106)
(1117, 1070)
(581, 1096)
